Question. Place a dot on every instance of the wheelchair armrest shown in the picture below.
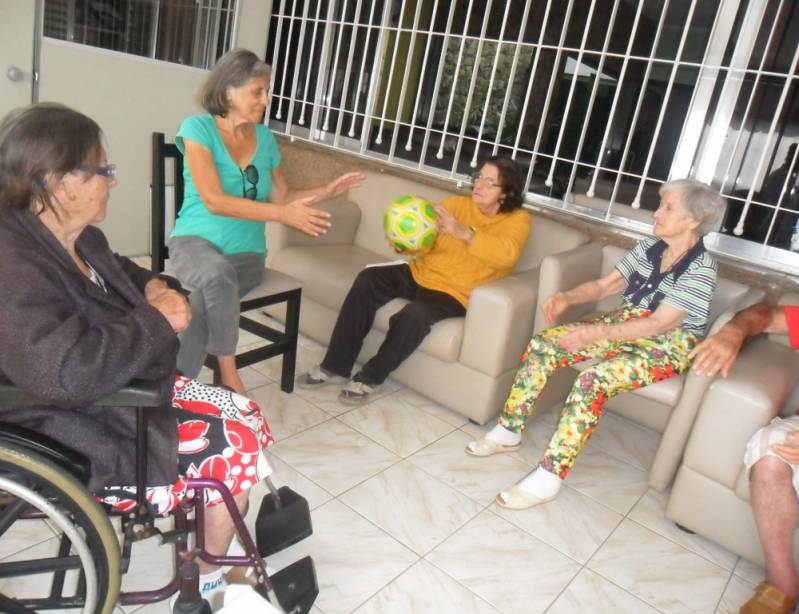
(138, 393)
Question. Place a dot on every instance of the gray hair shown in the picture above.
(700, 201)
(233, 69)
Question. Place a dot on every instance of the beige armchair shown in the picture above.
(711, 492)
(466, 364)
(668, 407)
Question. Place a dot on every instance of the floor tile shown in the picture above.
(626, 440)
(396, 424)
(650, 511)
(423, 588)
(659, 571)
(414, 399)
(306, 358)
(478, 478)
(489, 555)
(334, 456)
(737, 593)
(24, 534)
(287, 414)
(353, 558)
(286, 475)
(590, 593)
(751, 572)
(415, 508)
(607, 479)
(574, 524)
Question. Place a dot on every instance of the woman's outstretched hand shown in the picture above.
(343, 183)
(554, 306)
(300, 214)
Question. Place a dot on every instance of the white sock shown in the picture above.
(541, 483)
(504, 436)
(212, 588)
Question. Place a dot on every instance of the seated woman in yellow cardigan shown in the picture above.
(480, 239)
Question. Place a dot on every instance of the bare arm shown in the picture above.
(588, 292)
(717, 353)
(283, 193)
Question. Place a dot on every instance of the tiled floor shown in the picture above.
(404, 521)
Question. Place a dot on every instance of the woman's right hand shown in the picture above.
(174, 307)
(301, 215)
(554, 306)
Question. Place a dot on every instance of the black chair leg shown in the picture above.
(292, 333)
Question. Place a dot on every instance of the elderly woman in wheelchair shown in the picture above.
(78, 324)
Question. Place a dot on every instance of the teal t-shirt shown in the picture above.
(229, 234)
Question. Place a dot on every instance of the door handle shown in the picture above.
(14, 73)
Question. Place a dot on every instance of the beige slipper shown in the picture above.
(517, 499)
(768, 599)
(488, 447)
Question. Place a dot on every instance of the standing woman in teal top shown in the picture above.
(234, 183)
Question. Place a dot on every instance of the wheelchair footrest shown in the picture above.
(296, 586)
(281, 524)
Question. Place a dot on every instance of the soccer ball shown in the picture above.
(410, 224)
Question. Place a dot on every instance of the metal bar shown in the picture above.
(275, 58)
(442, 58)
(659, 124)
(789, 179)
(570, 95)
(511, 77)
(592, 99)
(529, 91)
(279, 114)
(297, 65)
(389, 84)
(616, 96)
(351, 132)
(301, 121)
(550, 88)
(739, 228)
(440, 153)
(324, 62)
(404, 87)
(473, 162)
(331, 79)
(637, 108)
(155, 16)
(472, 82)
(374, 82)
(347, 72)
(408, 145)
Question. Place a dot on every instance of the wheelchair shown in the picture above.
(41, 479)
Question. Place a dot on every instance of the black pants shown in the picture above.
(373, 288)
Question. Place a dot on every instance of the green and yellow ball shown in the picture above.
(410, 224)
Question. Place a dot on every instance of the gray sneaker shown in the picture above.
(318, 377)
(355, 393)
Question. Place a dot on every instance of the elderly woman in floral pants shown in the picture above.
(667, 283)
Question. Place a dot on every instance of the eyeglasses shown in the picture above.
(109, 171)
(489, 181)
(249, 174)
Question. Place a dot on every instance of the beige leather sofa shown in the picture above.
(711, 492)
(668, 407)
(466, 364)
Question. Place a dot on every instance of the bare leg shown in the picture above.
(230, 375)
(776, 512)
(219, 530)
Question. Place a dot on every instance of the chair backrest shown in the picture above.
(161, 153)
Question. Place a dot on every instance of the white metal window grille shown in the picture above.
(191, 32)
(601, 101)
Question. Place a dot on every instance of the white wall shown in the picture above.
(131, 97)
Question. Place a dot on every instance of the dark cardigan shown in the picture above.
(66, 341)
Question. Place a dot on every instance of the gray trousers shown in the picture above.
(217, 284)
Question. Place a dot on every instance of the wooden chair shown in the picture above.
(275, 288)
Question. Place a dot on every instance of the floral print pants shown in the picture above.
(623, 365)
(220, 435)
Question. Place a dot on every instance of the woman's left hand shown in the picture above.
(579, 336)
(448, 224)
(341, 184)
(789, 449)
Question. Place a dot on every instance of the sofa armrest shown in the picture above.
(564, 271)
(736, 406)
(345, 217)
(499, 323)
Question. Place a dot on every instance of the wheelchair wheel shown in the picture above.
(80, 569)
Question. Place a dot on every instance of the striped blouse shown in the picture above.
(687, 286)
